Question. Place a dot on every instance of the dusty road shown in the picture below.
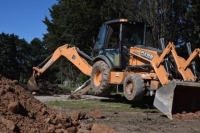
(65, 98)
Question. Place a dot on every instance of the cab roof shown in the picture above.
(122, 20)
(126, 21)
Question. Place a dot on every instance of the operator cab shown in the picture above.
(117, 36)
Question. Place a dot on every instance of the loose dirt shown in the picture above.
(145, 120)
(20, 112)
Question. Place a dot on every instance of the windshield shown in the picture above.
(132, 34)
(149, 40)
(101, 38)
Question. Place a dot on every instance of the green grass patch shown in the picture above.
(91, 104)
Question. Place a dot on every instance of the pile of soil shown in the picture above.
(20, 112)
(185, 115)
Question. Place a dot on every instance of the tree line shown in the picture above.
(18, 56)
(77, 22)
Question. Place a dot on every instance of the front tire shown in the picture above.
(134, 87)
(100, 79)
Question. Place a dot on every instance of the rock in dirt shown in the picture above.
(77, 115)
(9, 124)
(197, 113)
(185, 115)
(75, 96)
(72, 130)
(102, 128)
(95, 114)
(89, 126)
(14, 107)
(20, 112)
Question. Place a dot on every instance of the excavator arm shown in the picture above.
(73, 54)
(195, 53)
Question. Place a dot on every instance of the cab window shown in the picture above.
(132, 34)
(112, 40)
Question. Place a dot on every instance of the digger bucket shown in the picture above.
(178, 97)
(32, 84)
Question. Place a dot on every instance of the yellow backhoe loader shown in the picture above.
(126, 57)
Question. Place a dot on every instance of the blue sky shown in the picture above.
(24, 17)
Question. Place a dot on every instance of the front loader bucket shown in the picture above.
(178, 97)
(32, 84)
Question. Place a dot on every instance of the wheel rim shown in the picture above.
(129, 88)
(97, 78)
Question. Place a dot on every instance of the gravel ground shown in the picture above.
(65, 98)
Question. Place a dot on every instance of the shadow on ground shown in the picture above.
(145, 103)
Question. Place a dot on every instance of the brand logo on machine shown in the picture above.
(116, 74)
(146, 55)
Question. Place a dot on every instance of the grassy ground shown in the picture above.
(104, 105)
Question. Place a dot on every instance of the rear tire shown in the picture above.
(100, 79)
(134, 87)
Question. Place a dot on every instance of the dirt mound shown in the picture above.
(20, 112)
(97, 128)
(95, 114)
(185, 115)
